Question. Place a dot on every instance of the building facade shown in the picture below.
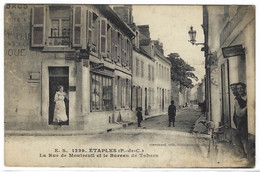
(229, 27)
(85, 48)
(151, 69)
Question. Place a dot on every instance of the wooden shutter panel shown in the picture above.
(103, 35)
(38, 27)
(76, 39)
(112, 44)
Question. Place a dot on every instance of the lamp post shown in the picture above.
(192, 33)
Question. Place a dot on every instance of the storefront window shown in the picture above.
(101, 93)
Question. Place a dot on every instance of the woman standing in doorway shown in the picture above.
(60, 108)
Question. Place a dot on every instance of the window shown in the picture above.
(149, 97)
(59, 29)
(123, 51)
(142, 69)
(103, 37)
(119, 92)
(123, 92)
(137, 67)
(139, 96)
(56, 26)
(134, 99)
(101, 93)
(128, 92)
(152, 73)
(149, 72)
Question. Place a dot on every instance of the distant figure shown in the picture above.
(202, 106)
(139, 115)
(172, 113)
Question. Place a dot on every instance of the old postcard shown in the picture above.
(168, 86)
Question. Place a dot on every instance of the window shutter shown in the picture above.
(103, 36)
(89, 27)
(127, 53)
(115, 45)
(112, 44)
(130, 55)
(119, 47)
(38, 29)
(76, 39)
(109, 44)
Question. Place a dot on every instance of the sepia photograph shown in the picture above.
(129, 86)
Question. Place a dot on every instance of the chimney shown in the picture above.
(125, 13)
(144, 30)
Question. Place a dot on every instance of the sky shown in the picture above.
(170, 24)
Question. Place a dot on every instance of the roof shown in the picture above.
(110, 14)
(143, 52)
(163, 58)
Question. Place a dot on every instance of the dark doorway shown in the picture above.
(58, 76)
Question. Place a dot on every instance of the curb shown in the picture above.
(66, 133)
(154, 116)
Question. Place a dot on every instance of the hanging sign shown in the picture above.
(84, 54)
(232, 51)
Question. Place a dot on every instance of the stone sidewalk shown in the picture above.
(87, 131)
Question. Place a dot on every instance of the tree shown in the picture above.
(181, 71)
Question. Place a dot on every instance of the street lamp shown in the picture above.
(192, 34)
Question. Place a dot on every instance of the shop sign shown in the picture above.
(232, 51)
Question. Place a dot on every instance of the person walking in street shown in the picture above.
(139, 116)
(172, 113)
(240, 117)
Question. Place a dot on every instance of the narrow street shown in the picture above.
(184, 120)
(150, 143)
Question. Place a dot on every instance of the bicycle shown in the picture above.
(213, 142)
